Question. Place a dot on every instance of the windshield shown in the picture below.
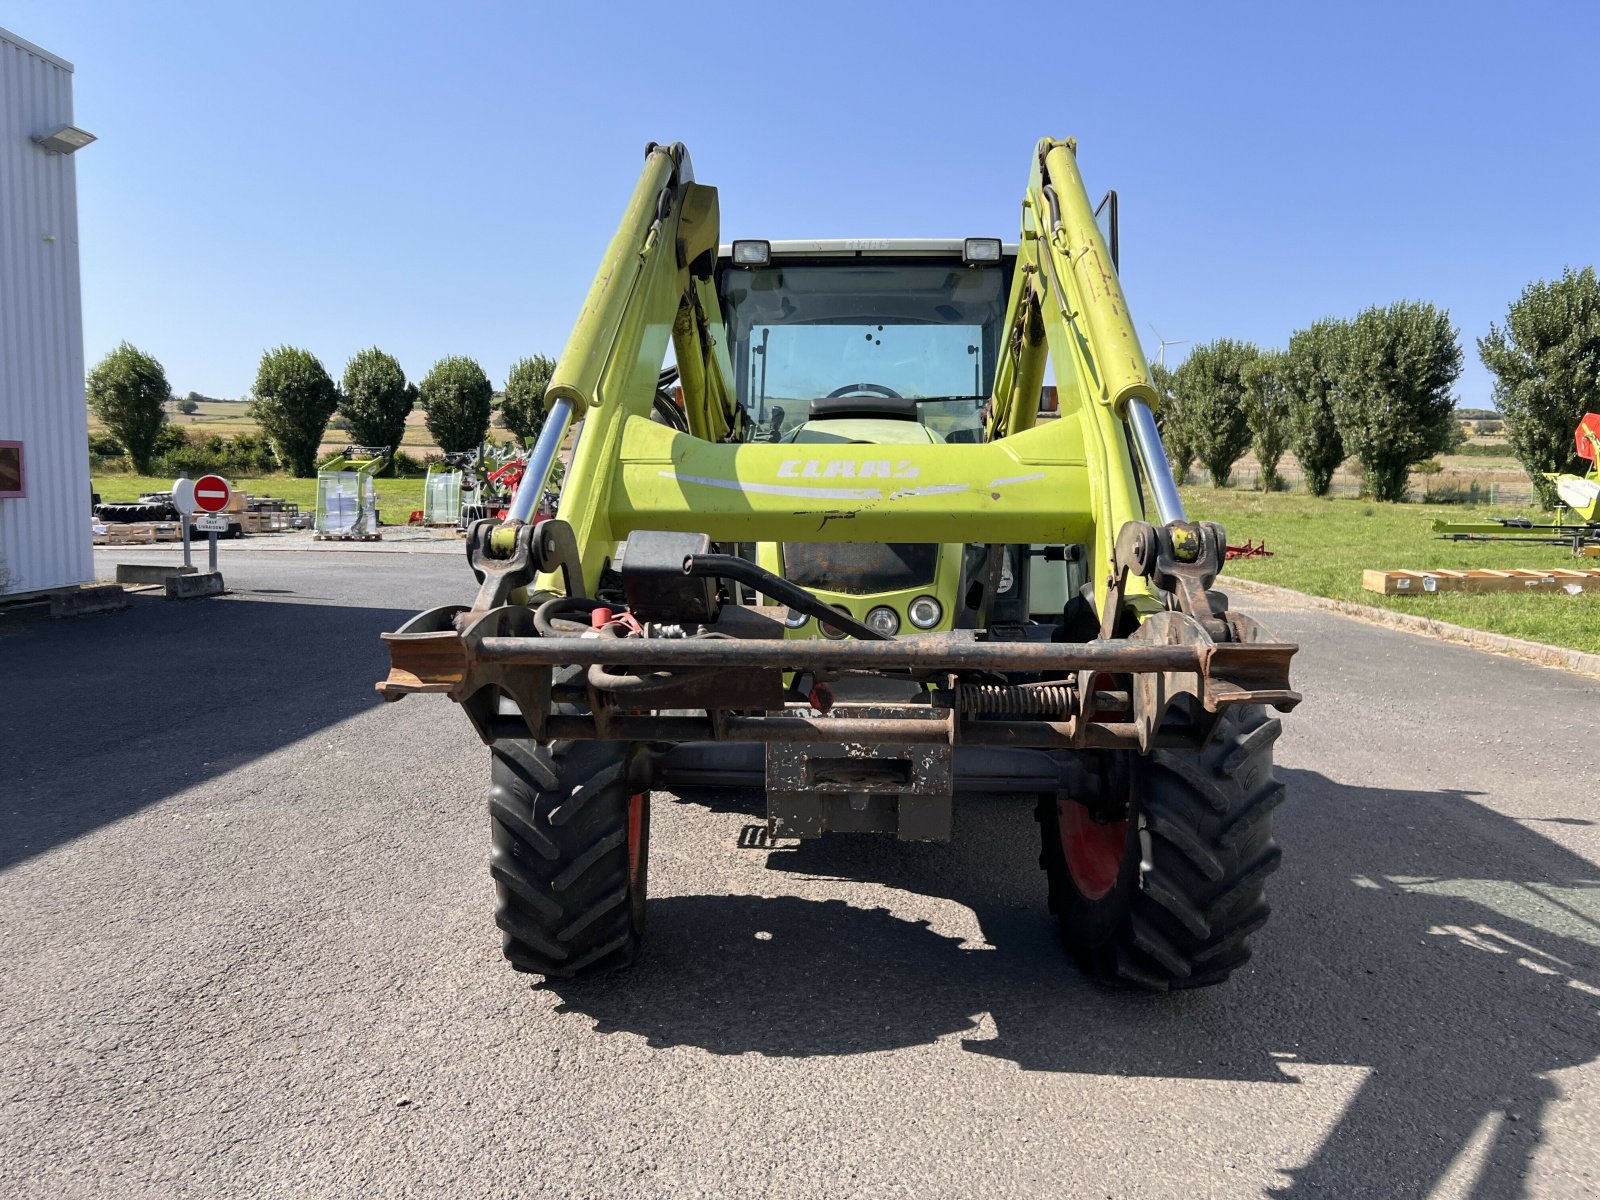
(917, 337)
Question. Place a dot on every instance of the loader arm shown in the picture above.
(1068, 311)
(654, 289)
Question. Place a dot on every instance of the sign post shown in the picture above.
(211, 495)
(183, 501)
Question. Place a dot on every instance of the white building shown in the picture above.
(44, 453)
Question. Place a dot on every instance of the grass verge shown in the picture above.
(1321, 546)
(397, 498)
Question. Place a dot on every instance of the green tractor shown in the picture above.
(894, 525)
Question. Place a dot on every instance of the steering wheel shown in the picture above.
(876, 389)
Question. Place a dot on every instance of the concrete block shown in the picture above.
(150, 572)
(191, 587)
(91, 598)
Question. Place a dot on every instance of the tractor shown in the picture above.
(871, 525)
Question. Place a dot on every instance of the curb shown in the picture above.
(1559, 657)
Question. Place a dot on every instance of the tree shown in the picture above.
(294, 397)
(128, 390)
(1546, 364)
(1393, 404)
(190, 404)
(1266, 412)
(1170, 422)
(1210, 387)
(523, 407)
(457, 396)
(376, 399)
(1311, 369)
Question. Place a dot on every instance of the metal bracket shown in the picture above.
(547, 546)
(1135, 554)
(1188, 559)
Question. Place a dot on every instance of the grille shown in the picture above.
(860, 568)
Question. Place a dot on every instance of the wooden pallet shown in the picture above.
(142, 533)
(1400, 583)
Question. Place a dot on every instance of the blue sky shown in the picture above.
(441, 179)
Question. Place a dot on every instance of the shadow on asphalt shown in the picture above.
(1451, 953)
(102, 716)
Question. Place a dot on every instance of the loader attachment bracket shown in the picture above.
(547, 546)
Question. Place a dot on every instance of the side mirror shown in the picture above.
(1105, 216)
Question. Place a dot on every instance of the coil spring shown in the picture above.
(1012, 700)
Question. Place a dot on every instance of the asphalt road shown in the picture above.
(248, 949)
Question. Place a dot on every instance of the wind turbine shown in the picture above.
(1161, 350)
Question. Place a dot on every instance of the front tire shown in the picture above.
(570, 834)
(1167, 893)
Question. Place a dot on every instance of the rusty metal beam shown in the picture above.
(931, 653)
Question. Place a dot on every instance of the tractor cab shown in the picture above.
(894, 343)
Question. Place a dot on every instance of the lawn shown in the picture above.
(397, 498)
(1321, 546)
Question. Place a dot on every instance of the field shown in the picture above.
(228, 418)
(1321, 546)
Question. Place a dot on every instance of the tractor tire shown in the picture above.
(1169, 897)
(570, 831)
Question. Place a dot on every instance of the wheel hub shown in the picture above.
(1093, 849)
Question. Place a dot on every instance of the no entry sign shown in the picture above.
(212, 493)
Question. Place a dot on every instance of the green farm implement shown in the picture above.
(894, 524)
(1576, 523)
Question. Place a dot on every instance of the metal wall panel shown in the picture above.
(44, 537)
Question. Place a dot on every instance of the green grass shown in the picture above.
(397, 498)
(1322, 546)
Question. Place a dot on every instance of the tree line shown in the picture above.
(295, 398)
(1378, 388)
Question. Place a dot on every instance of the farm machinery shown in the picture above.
(469, 487)
(1576, 523)
(834, 552)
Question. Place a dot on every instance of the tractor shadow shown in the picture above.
(1451, 952)
(102, 716)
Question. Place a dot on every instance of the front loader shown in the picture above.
(893, 524)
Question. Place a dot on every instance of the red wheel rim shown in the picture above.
(635, 831)
(1093, 851)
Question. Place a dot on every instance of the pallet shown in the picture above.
(142, 533)
(1400, 583)
(348, 537)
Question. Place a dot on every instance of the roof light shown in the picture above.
(64, 139)
(975, 250)
(753, 254)
(1049, 399)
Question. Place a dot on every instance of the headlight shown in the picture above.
(796, 619)
(885, 620)
(925, 612)
(829, 631)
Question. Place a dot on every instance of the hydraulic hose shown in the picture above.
(727, 566)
